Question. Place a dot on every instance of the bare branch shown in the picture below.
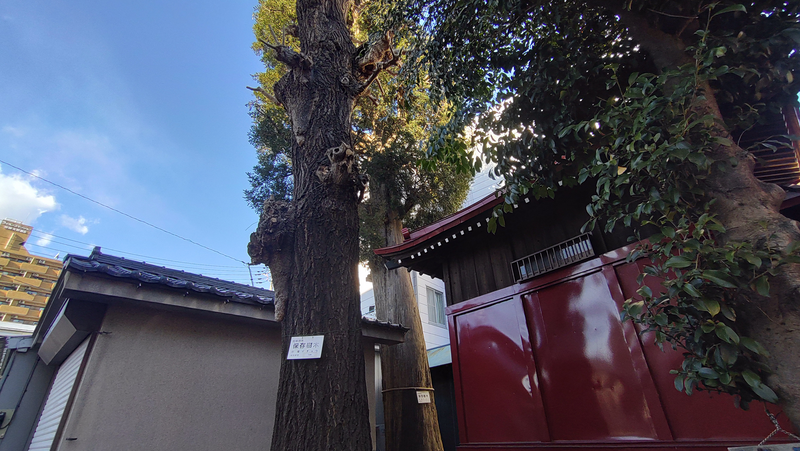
(267, 44)
(672, 15)
(380, 86)
(274, 38)
(286, 55)
(264, 93)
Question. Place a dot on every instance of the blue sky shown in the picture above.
(140, 106)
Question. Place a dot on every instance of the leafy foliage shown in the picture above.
(645, 101)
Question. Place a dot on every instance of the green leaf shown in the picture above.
(765, 393)
(762, 286)
(679, 382)
(728, 353)
(645, 291)
(720, 278)
(635, 308)
(677, 262)
(754, 346)
(712, 307)
(753, 260)
(751, 378)
(728, 312)
(726, 334)
(708, 373)
(732, 8)
(691, 290)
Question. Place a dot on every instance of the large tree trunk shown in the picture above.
(311, 244)
(410, 426)
(750, 211)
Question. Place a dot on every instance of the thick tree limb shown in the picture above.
(271, 244)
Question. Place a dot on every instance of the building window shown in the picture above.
(436, 307)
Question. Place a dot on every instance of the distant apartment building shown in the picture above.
(429, 292)
(26, 280)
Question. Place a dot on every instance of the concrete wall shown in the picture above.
(165, 380)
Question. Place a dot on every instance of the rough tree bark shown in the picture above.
(311, 243)
(410, 426)
(750, 211)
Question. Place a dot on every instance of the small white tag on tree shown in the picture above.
(423, 397)
(305, 347)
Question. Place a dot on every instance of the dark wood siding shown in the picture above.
(479, 262)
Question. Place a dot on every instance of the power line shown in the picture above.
(48, 235)
(122, 212)
(218, 269)
(206, 271)
(241, 278)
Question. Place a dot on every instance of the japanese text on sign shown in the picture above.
(305, 347)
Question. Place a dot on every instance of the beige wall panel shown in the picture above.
(169, 381)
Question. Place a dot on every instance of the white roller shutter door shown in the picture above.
(57, 400)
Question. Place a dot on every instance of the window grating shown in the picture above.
(552, 258)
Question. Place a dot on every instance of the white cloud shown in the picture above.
(22, 201)
(76, 225)
(44, 240)
(13, 131)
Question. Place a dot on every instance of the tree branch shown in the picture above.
(264, 93)
(273, 245)
(288, 56)
(380, 66)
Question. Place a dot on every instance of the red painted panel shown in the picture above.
(698, 416)
(590, 388)
(500, 399)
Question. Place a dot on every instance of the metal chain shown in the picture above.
(778, 428)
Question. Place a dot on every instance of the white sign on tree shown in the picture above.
(305, 347)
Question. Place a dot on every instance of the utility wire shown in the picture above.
(122, 212)
(210, 272)
(240, 278)
(49, 235)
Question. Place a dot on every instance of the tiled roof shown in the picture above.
(152, 274)
(123, 268)
(370, 320)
